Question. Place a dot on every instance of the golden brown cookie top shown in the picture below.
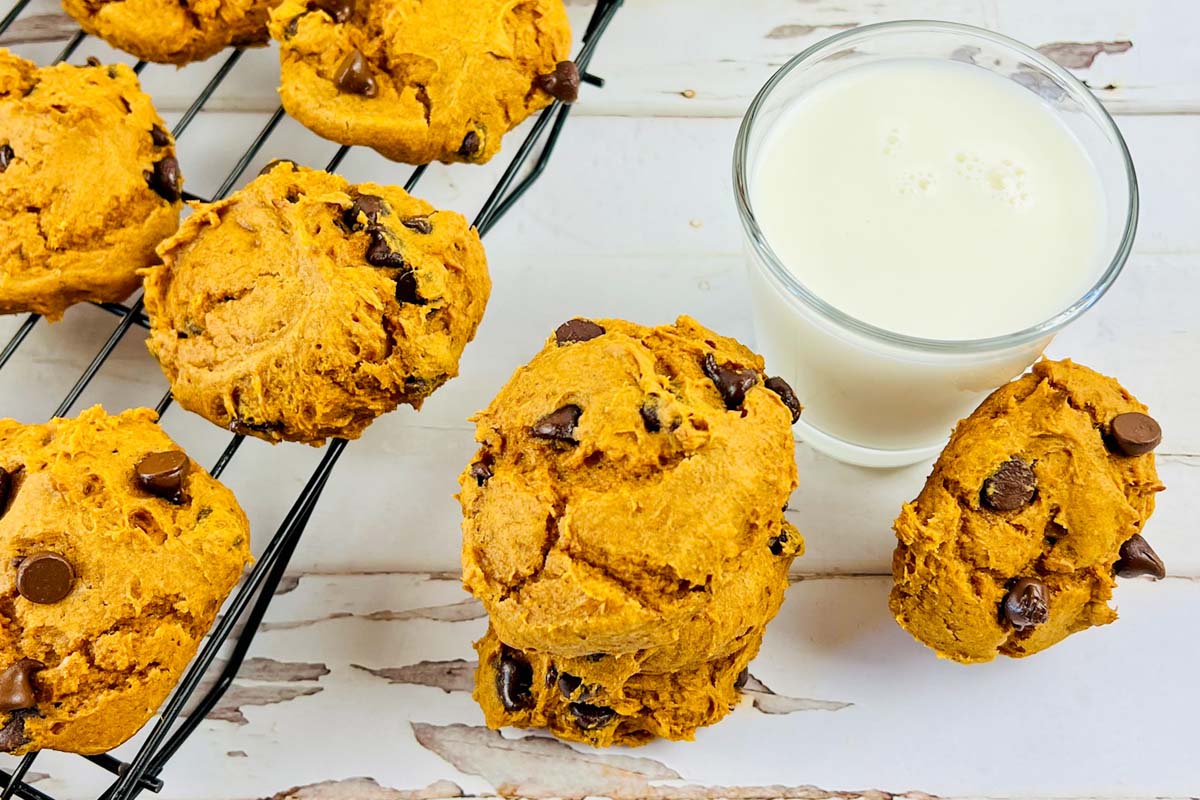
(630, 481)
(171, 31)
(88, 184)
(116, 553)
(302, 307)
(1012, 543)
(422, 80)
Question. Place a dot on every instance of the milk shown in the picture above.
(927, 198)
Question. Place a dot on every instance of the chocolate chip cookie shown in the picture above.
(117, 552)
(623, 526)
(422, 80)
(173, 31)
(89, 185)
(303, 307)
(1036, 505)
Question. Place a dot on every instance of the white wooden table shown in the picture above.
(358, 687)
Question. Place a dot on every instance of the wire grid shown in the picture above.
(256, 591)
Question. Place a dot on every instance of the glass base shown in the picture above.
(859, 455)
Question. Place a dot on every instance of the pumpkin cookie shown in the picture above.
(89, 185)
(623, 524)
(117, 553)
(302, 307)
(1035, 506)
(422, 80)
(173, 31)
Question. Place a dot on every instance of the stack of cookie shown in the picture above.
(624, 528)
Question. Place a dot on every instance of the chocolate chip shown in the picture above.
(6, 156)
(589, 717)
(293, 25)
(165, 180)
(481, 470)
(6, 489)
(1135, 434)
(92, 61)
(246, 427)
(421, 225)
(775, 544)
(514, 679)
(577, 330)
(562, 84)
(406, 289)
(380, 252)
(551, 676)
(159, 137)
(275, 162)
(731, 380)
(12, 735)
(1139, 560)
(471, 145)
(559, 425)
(569, 684)
(353, 76)
(16, 685)
(45, 578)
(1026, 605)
(781, 387)
(338, 10)
(649, 412)
(162, 474)
(364, 205)
(1010, 487)
(740, 681)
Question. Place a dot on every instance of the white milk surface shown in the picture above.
(931, 198)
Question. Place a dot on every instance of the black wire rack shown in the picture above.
(249, 602)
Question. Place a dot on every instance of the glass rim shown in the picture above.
(799, 291)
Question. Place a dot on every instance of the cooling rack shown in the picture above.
(249, 602)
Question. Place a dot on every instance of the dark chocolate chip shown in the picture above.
(775, 544)
(6, 156)
(740, 681)
(650, 418)
(407, 290)
(353, 76)
(162, 474)
(1139, 560)
(589, 717)
(380, 252)
(45, 578)
(1010, 487)
(471, 145)
(514, 679)
(165, 180)
(159, 137)
(293, 25)
(6, 487)
(781, 387)
(338, 10)
(364, 205)
(551, 676)
(731, 380)
(92, 61)
(559, 425)
(275, 162)
(569, 684)
(245, 427)
(16, 685)
(1027, 604)
(421, 225)
(481, 470)
(12, 735)
(1135, 434)
(577, 330)
(562, 84)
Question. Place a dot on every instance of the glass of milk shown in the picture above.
(925, 205)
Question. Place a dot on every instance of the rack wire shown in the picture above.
(250, 601)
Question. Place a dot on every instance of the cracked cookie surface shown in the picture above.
(419, 80)
(627, 505)
(1033, 507)
(89, 185)
(113, 572)
(173, 31)
(302, 307)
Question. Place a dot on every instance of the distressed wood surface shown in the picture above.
(358, 684)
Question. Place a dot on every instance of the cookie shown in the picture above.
(302, 307)
(628, 501)
(173, 31)
(422, 80)
(1037, 503)
(89, 185)
(117, 551)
